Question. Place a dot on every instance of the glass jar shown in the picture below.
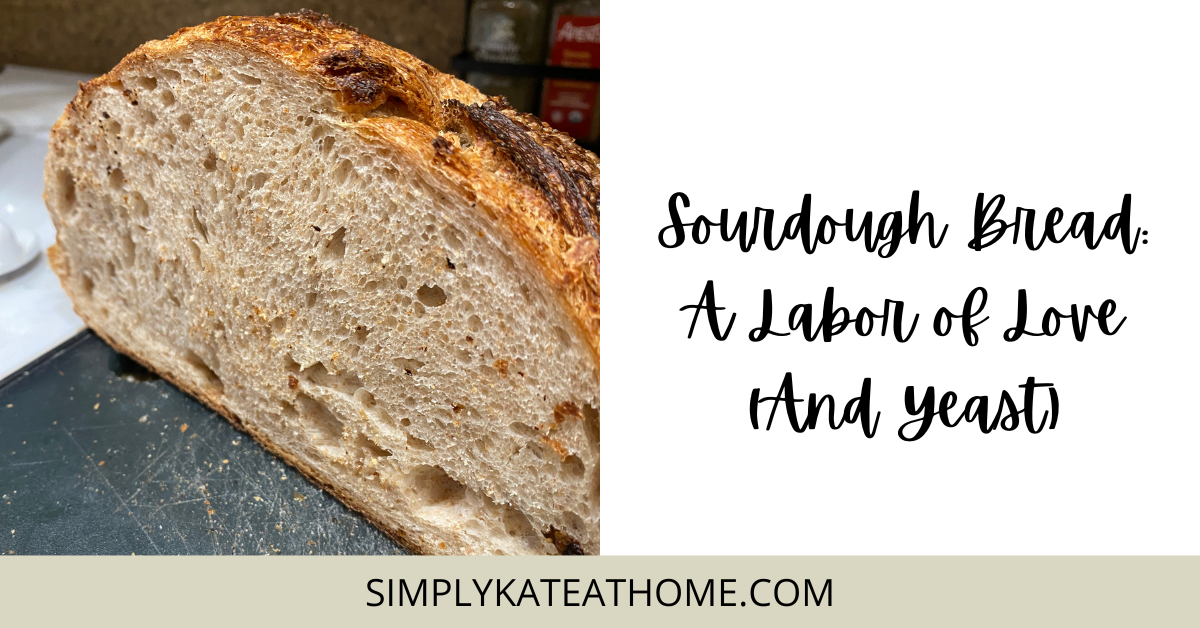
(507, 31)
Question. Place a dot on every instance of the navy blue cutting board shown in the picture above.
(97, 456)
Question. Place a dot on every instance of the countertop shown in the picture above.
(35, 314)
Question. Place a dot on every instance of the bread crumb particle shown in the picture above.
(143, 419)
(183, 428)
(96, 407)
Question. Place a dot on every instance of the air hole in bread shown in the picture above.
(246, 78)
(335, 248)
(365, 398)
(195, 249)
(185, 121)
(209, 378)
(167, 98)
(408, 366)
(360, 333)
(431, 296)
(310, 299)
(290, 365)
(452, 238)
(516, 523)
(199, 224)
(210, 161)
(371, 286)
(148, 117)
(418, 310)
(113, 129)
(342, 172)
(148, 83)
(591, 424)
(258, 180)
(418, 443)
(434, 487)
(323, 426)
(393, 107)
(319, 375)
(128, 249)
(65, 189)
(563, 337)
(474, 323)
(521, 429)
(171, 75)
(574, 523)
(373, 450)
(573, 466)
(278, 326)
(88, 285)
(116, 178)
(326, 144)
(138, 204)
(595, 488)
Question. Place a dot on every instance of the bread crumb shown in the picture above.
(143, 419)
(257, 498)
(96, 407)
(101, 463)
(298, 497)
(183, 428)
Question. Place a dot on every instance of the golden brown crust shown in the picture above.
(536, 180)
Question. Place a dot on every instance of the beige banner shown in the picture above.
(840, 591)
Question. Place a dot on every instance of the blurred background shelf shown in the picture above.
(462, 62)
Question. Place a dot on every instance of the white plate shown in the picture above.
(26, 244)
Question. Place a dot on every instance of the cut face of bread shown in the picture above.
(388, 280)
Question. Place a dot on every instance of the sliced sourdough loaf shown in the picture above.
(389, 280)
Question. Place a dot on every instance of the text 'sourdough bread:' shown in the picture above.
(386, 278)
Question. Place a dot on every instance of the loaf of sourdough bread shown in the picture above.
(388, 279)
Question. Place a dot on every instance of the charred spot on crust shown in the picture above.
(565, 545)
(443, 147)
(361, 91)
(359, 76)
(579, 214)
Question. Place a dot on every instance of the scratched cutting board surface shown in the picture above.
(97, 456)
